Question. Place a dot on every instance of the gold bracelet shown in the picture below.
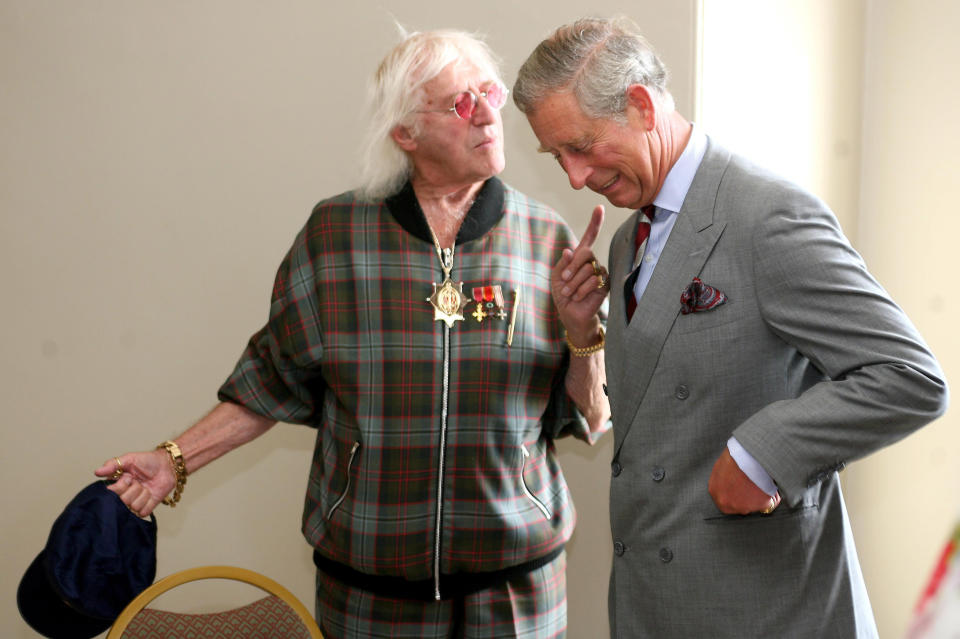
(179, 471)
(587, 351)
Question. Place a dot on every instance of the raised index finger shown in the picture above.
(584, 251)
(593, 228)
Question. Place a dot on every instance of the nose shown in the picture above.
(483, 113)
(577, 171)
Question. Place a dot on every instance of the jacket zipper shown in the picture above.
(445, 396)
(523, 482)
(346, 489)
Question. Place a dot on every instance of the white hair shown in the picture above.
(396, 93)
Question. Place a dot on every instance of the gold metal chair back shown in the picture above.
(278, 615)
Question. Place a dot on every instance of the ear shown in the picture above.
(640, 98)
(404, 138)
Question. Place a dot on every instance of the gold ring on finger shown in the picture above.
(596, 268)
(119, 471)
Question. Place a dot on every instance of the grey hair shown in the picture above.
(396, 93)
(595, 59)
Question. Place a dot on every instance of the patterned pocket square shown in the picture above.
(699, 297)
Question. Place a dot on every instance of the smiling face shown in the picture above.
(617, 160)
(445, 150)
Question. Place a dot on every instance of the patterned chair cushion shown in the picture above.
(267, 618)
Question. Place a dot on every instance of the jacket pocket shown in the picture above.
(781, 512)
(346, 487)
(526, 489)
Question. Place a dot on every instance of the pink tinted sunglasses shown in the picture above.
(465, 103)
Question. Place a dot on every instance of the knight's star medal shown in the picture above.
(448, 299)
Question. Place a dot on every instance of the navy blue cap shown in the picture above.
(98, 558)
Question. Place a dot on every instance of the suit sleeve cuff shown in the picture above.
(751, 467)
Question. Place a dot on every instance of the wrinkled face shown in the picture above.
(611, 158)
(447, 150)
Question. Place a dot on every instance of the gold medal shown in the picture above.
(478, 313)
(448, 299)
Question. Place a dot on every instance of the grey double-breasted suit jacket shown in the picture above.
(809, 364)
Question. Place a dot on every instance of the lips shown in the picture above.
(607, 186)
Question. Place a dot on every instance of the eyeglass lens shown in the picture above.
(466, 103)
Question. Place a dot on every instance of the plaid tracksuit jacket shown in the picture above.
(434, 453)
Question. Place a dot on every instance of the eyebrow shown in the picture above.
(580, 142)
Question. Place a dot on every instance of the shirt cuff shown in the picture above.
(751, 467)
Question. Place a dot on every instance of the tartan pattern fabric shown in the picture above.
(351, 347)
(529, 606)
(266, 618)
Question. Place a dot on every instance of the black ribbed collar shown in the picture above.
(483, 215)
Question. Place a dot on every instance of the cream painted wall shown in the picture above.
(904, 501)
(156, 161)
(798, 110)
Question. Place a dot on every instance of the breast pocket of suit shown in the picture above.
(739, 305)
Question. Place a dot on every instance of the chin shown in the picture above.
(621, 203)
(625, 200)
(495, 166)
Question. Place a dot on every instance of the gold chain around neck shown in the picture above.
(445, 255)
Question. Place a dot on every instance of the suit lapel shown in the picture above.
(638, 346)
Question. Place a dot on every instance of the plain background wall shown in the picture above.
(905, 501)
(800, 110)
(156, 161)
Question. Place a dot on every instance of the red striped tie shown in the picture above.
(640, 242)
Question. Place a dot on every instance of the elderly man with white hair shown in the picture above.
(412, 324)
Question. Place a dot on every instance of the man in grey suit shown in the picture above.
(762, 356)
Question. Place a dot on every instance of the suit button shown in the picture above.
(666, 555)
(658, 474)
(682, 392)
(619, 548)
(616, 468)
